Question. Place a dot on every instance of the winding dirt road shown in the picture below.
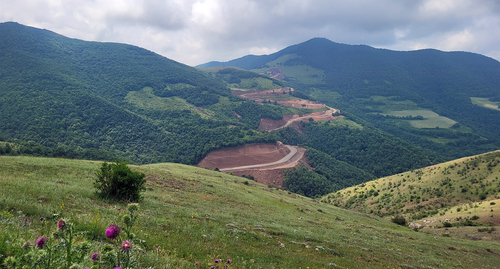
(293, 151)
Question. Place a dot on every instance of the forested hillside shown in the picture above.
(443, 101)
(121, 99)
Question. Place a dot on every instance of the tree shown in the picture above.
(116, 181)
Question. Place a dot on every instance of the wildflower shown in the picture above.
(61, 224)
(216, 261)
(158, 249)
(41, 242)
(117, 268)
(95, 257)
(126, 245)
(113, 231)
(196, 263)
(229, 261)
(133, 207)
(42, 218)
(85, 268)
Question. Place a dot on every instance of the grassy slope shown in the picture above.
(198, 215)
(451, 192)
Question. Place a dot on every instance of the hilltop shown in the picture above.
(193, 215)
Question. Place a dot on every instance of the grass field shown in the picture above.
(198, 215)
(485, 102)
(247, 84)
(145, 99)
(431, 119)
(304, 73)
(385, 105)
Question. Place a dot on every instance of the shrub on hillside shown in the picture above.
(400, 220)
(117, 182)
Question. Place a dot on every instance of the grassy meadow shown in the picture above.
(485, 102)
(297, 72)
(197, 215)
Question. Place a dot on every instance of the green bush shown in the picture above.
(116, 181)
(400, 220)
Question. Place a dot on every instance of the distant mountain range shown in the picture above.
(424, 96)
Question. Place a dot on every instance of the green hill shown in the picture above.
(194, 215)
(116, 98)
(443, 101)
(427, 191)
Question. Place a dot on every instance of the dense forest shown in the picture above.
(329, 175)
(61, 92)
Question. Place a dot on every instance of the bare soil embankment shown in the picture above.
(289, 119)
(282, 97)
(265, 162)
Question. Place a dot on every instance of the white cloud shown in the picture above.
(197, 31)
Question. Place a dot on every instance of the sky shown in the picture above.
(198, 31)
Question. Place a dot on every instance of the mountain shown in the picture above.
(444, 101)
(114, 98)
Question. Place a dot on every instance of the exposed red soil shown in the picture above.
(274, 95)
(253, 155)
(246, 155)
(290, 119)
(277, 95)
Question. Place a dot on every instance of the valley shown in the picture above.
(321, 155)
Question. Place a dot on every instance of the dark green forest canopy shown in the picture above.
(61, 91)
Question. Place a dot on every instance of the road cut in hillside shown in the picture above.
(289, 119)
(265, 162)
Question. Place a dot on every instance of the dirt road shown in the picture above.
(293, 151)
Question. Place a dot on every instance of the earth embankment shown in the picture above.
(265, 162)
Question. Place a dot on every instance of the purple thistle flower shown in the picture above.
(196, 263)
(41, 242)
(229, 261)
(126, 246)
(42, 218)
(85, 268)
(117, 268)
(113, 231)
(61, 224)
(95, 257)
(216, 261)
